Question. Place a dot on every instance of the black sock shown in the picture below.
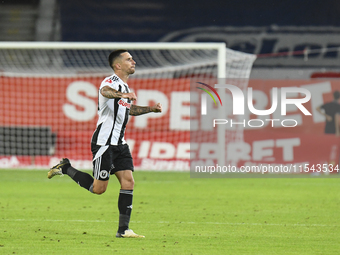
(83, 179)
(125, 207)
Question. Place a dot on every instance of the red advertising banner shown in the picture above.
(68, 107)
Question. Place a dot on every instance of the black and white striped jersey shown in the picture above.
(113, 114)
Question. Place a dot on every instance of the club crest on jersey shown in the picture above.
(123, 103)
(108, 80)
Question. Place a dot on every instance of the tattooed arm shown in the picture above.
(136, 110)
(109, 92)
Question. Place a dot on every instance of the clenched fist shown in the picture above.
(157, 108)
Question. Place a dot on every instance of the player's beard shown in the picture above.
(132, 71)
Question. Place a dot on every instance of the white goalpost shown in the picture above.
(49, 90)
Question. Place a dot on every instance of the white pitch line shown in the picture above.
(47, 220)
(183, 222)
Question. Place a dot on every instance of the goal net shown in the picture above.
(49, 95)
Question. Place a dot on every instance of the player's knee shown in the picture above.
(128, 184)
(99, 190)
(132, 183)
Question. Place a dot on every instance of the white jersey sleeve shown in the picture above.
(104, 101)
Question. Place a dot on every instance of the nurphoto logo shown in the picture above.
(239, 103)
(204, 97)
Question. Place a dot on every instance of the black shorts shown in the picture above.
(110, 159)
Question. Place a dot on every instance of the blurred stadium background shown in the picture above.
(48, 112)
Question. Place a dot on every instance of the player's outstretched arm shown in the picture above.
(109, 92)
(136, 110)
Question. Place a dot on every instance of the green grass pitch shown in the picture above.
(177, 214)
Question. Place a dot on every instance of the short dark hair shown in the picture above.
(114, 55)
(336, 95)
